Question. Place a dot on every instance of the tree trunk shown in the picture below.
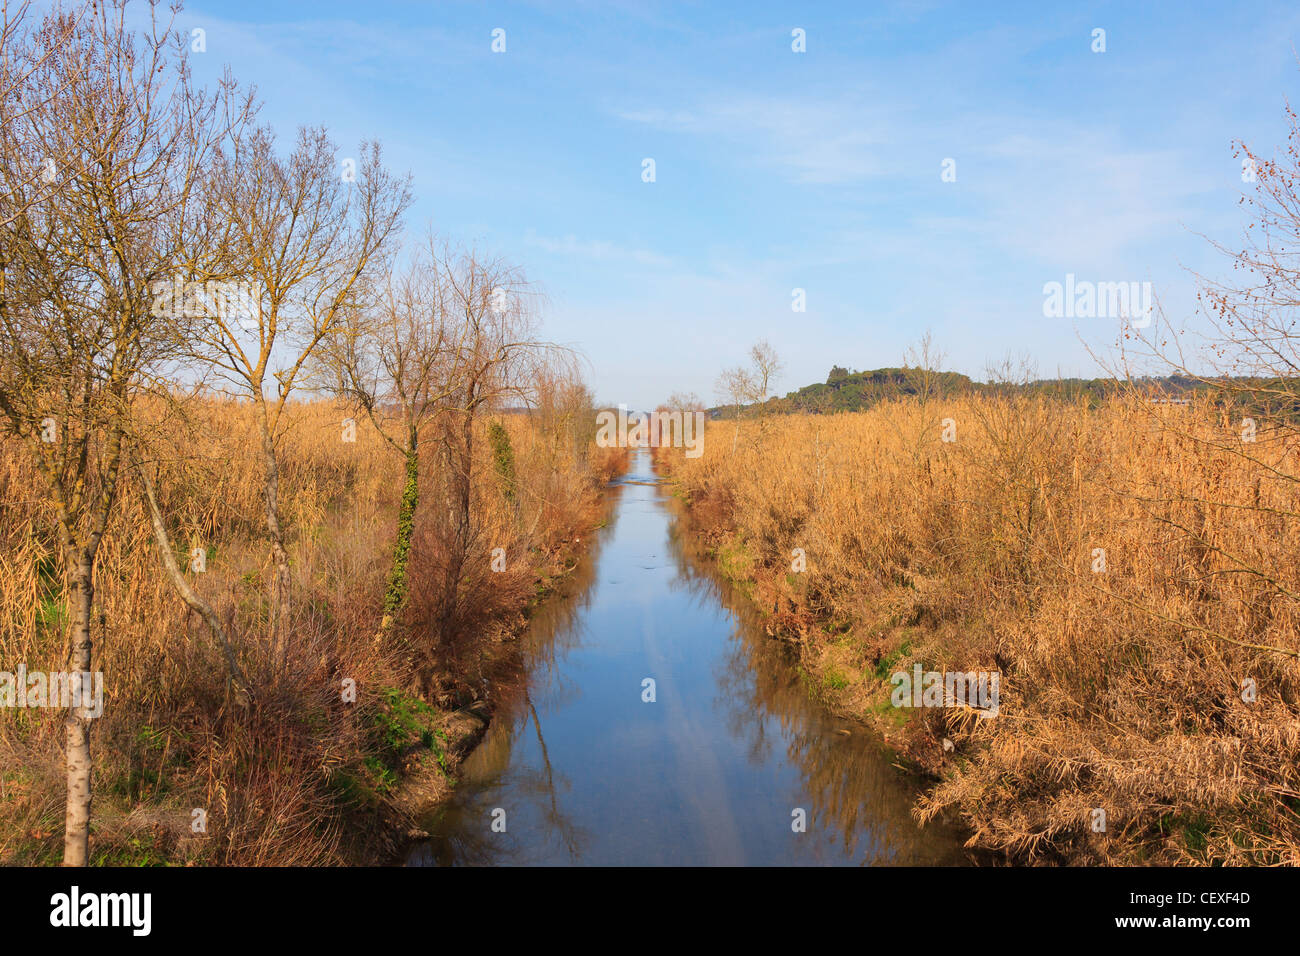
(279, 554)
(76, 827)
(243, 693)
(398, 579)
(459, 515)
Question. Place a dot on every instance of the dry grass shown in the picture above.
(1120, 690)
(285, 780)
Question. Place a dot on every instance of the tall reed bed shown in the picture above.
(184, 770)
(1128, 570)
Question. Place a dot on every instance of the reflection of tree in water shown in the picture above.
(568, 832)
(461, 828)
(857, 796)
(558, 625)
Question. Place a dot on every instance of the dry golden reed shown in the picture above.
(278, 781)
(1125, 690)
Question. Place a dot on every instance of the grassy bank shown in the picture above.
(358, 724)
(1126, 570)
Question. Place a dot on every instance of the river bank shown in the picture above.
(827, 667)
(324, 761)
(431, 743)
(1062, 549)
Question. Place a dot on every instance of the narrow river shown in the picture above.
(579, 769)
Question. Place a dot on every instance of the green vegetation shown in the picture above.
(404, 722)
(848, 390)
(503, 457)
(834, 679)
(398, 583)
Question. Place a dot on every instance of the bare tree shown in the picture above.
(1246, 369)
(301, 237)
(80, 248)
(767, 369)
(735, 386)
(496, 350)
(450, 337)
(742, 386)
(922, 365)
(562, 406)
(684, 402)
(26, 46)
(394, 360)
(1254, 352)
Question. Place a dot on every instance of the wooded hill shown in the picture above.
(849, 391)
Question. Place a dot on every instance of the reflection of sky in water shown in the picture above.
(709, 773)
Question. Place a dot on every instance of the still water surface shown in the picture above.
(586, 772)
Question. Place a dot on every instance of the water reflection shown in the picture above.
(710, 773)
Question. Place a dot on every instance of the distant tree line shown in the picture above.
(851, 391)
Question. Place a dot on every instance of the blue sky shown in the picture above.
(778, 170)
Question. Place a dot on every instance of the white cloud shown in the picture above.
(823, 142)
(597, 249)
